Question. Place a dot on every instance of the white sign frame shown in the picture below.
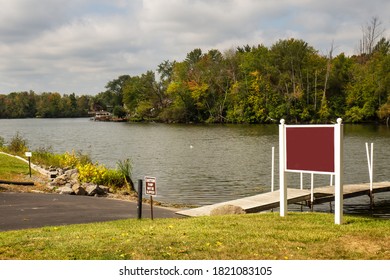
(338, 168)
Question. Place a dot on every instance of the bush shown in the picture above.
(113, 178)
(125, 167)
(100, 175)
(2, 142)
(73, 159)
(18, 144)
(44, 156)
(90, 173)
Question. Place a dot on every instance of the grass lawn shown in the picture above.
(12, 168)
(299, 236)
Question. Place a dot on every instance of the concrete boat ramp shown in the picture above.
(270, 200)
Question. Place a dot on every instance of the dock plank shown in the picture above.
(269, 200)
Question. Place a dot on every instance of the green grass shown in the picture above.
(11, 167)
(298, 236)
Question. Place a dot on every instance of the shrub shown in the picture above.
(113, 178)
(100, 175)
(18, 144)
(74, 159)
(2, 141)
(90, 173)
(125, 167)
(45, 157)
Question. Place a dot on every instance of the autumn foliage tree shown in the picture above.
(249, 84)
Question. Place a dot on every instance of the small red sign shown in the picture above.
(150, 186)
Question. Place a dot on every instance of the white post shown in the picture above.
(282, 173)
(301, 180)
(370, 163)
(339, 170)
(372, 166)
(331, 180)
(372, 176)
(312, 190)
(273, 169)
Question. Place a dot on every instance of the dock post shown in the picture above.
(312, 192)
(273, 169)
(301, 180)
(282, 172)
(370, 162)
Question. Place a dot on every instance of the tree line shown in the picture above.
(257, 84)
(249, 84)
(45, 105)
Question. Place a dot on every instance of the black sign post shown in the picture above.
(139, 204)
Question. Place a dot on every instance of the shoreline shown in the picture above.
(43, 178)
(124, 120)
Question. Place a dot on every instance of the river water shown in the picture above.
(200, 164)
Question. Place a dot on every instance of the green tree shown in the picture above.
(83, 105)
(119, 111)
(292, 63)
(19, 105)
(49, 105)
(338, 80)
(144, 97)
(181, 108)
(384, 111)
(368, 88)
(115, 90)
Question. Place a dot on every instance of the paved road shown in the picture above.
(31, 210)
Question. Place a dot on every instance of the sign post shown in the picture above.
(150, 188)
(29, 154)
(311, 149)
(339, 171)
(282, 172)
(139, 201)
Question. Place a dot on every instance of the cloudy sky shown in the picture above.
(79, 45)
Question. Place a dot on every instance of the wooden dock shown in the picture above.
(270, 200)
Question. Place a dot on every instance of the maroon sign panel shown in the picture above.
(310, 149)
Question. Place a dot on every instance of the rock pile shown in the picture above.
(66, 182)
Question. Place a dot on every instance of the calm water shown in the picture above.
(198, 164)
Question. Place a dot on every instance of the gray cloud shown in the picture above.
(79, 45)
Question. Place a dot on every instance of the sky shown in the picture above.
(77, 46)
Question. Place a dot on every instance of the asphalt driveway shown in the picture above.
(31, 210)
